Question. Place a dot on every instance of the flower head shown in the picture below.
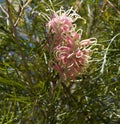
(71, 54)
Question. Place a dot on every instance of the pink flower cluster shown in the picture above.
(71, 54)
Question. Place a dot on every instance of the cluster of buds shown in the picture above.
(71, 54)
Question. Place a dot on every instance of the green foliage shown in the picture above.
(30, 92)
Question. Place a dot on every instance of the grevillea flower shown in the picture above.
(71, 54)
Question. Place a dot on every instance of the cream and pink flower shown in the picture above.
(71, 54)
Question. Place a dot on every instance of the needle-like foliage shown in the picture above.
(41, 57)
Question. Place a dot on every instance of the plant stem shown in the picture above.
(16, 40)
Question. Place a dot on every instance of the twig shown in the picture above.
(21, 12)
(105, 55)
(16, 40)
(113, 7)
(4, 11)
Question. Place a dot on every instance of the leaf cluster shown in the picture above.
(31, 92)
